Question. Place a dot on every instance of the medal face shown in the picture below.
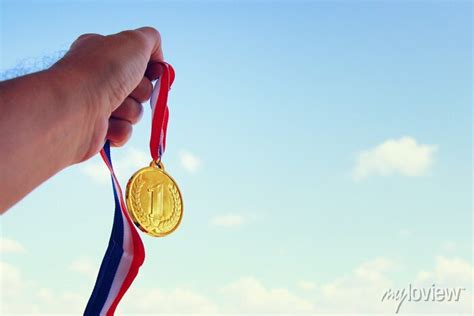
(154, 201)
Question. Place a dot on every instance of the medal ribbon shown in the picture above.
(125, 252)
(123, 257)
(160, 112)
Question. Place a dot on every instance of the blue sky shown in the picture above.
(324, 151)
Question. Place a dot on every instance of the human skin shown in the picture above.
(61, 116)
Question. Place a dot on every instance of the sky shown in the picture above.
(323, 149)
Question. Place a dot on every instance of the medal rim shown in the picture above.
(130, 209)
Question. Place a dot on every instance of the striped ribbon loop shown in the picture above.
(125, 252)
(160, 112)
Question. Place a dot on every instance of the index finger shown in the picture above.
(153, 70)
(153, 40)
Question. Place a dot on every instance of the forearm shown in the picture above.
(37, 116)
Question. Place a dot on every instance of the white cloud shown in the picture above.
(450, 272)
(11, 278)
(96, 170)
(306, 285)
(189, 161)
(359, 291)
(228, 220)
(19, 295)
(11, 246)
(84, 266)
(128, 161)
(14, 288)
(248, 295)
(175, 301)
(403, 156)
(66, 301)
(374, 270)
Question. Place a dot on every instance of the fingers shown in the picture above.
(147, 38)
(119, 132)
(153, 39)
(132, 53)
(143, 91)
(121, 120)
(130, 110)
(154, 70)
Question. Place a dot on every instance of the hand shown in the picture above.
(112, 77)
(52, 119)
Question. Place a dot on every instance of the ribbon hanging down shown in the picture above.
(125, 252)
(123, 257)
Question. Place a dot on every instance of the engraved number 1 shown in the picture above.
(156, 193)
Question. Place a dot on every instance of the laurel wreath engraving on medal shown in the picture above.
(136, 201)
(173, 219)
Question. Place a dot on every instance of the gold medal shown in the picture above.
(154, 200)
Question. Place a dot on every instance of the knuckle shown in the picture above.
(148, 32)
(126, 130)
(152, 31)
(85, 36)
(126, 134)
(132, 36)
(128, 33)
(121, 131)
(134, 112)
(130, 111)
(142, 91)
(138, 113)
